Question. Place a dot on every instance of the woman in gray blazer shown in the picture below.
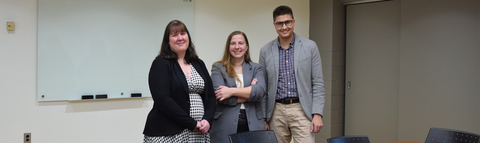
(240, 88)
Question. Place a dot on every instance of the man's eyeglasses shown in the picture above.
(287, 23)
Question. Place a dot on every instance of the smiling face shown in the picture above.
(287, 23)
(178, 42)
(238, 47)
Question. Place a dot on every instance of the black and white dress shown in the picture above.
(195, 87)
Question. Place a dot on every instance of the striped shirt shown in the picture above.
(287, 87)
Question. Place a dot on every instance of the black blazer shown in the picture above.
(171, 108)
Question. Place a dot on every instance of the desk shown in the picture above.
(406, 142)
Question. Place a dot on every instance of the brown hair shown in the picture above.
(227, 59)
(166, 51)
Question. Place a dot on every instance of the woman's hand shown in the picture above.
(197, 128)
(205, 126)
(223, 93)
(241, 100)
(254, 81)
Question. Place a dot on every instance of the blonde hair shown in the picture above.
(227, 59)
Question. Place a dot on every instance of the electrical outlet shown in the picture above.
(27, 137)
(10, 26)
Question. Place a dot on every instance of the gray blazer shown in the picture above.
(226, 113)
(308, 74)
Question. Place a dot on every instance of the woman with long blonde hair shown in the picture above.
(240, 88)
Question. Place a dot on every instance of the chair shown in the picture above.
(439, 135)
(267, 136)
(349, 139)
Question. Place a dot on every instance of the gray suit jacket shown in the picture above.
(226, 113)
(308, 74)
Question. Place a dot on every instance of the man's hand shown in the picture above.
(317, 123)
(267, 127)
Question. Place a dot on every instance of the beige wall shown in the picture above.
(216, 19)
(439, 67)
(111, 121)
(122, 121)
(327, 30)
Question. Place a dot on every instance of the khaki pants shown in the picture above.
(289, 121)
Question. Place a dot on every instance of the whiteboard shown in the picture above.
(91, 47)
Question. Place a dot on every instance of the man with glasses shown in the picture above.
(295, 91)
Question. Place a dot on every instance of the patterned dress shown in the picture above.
(195, 87)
